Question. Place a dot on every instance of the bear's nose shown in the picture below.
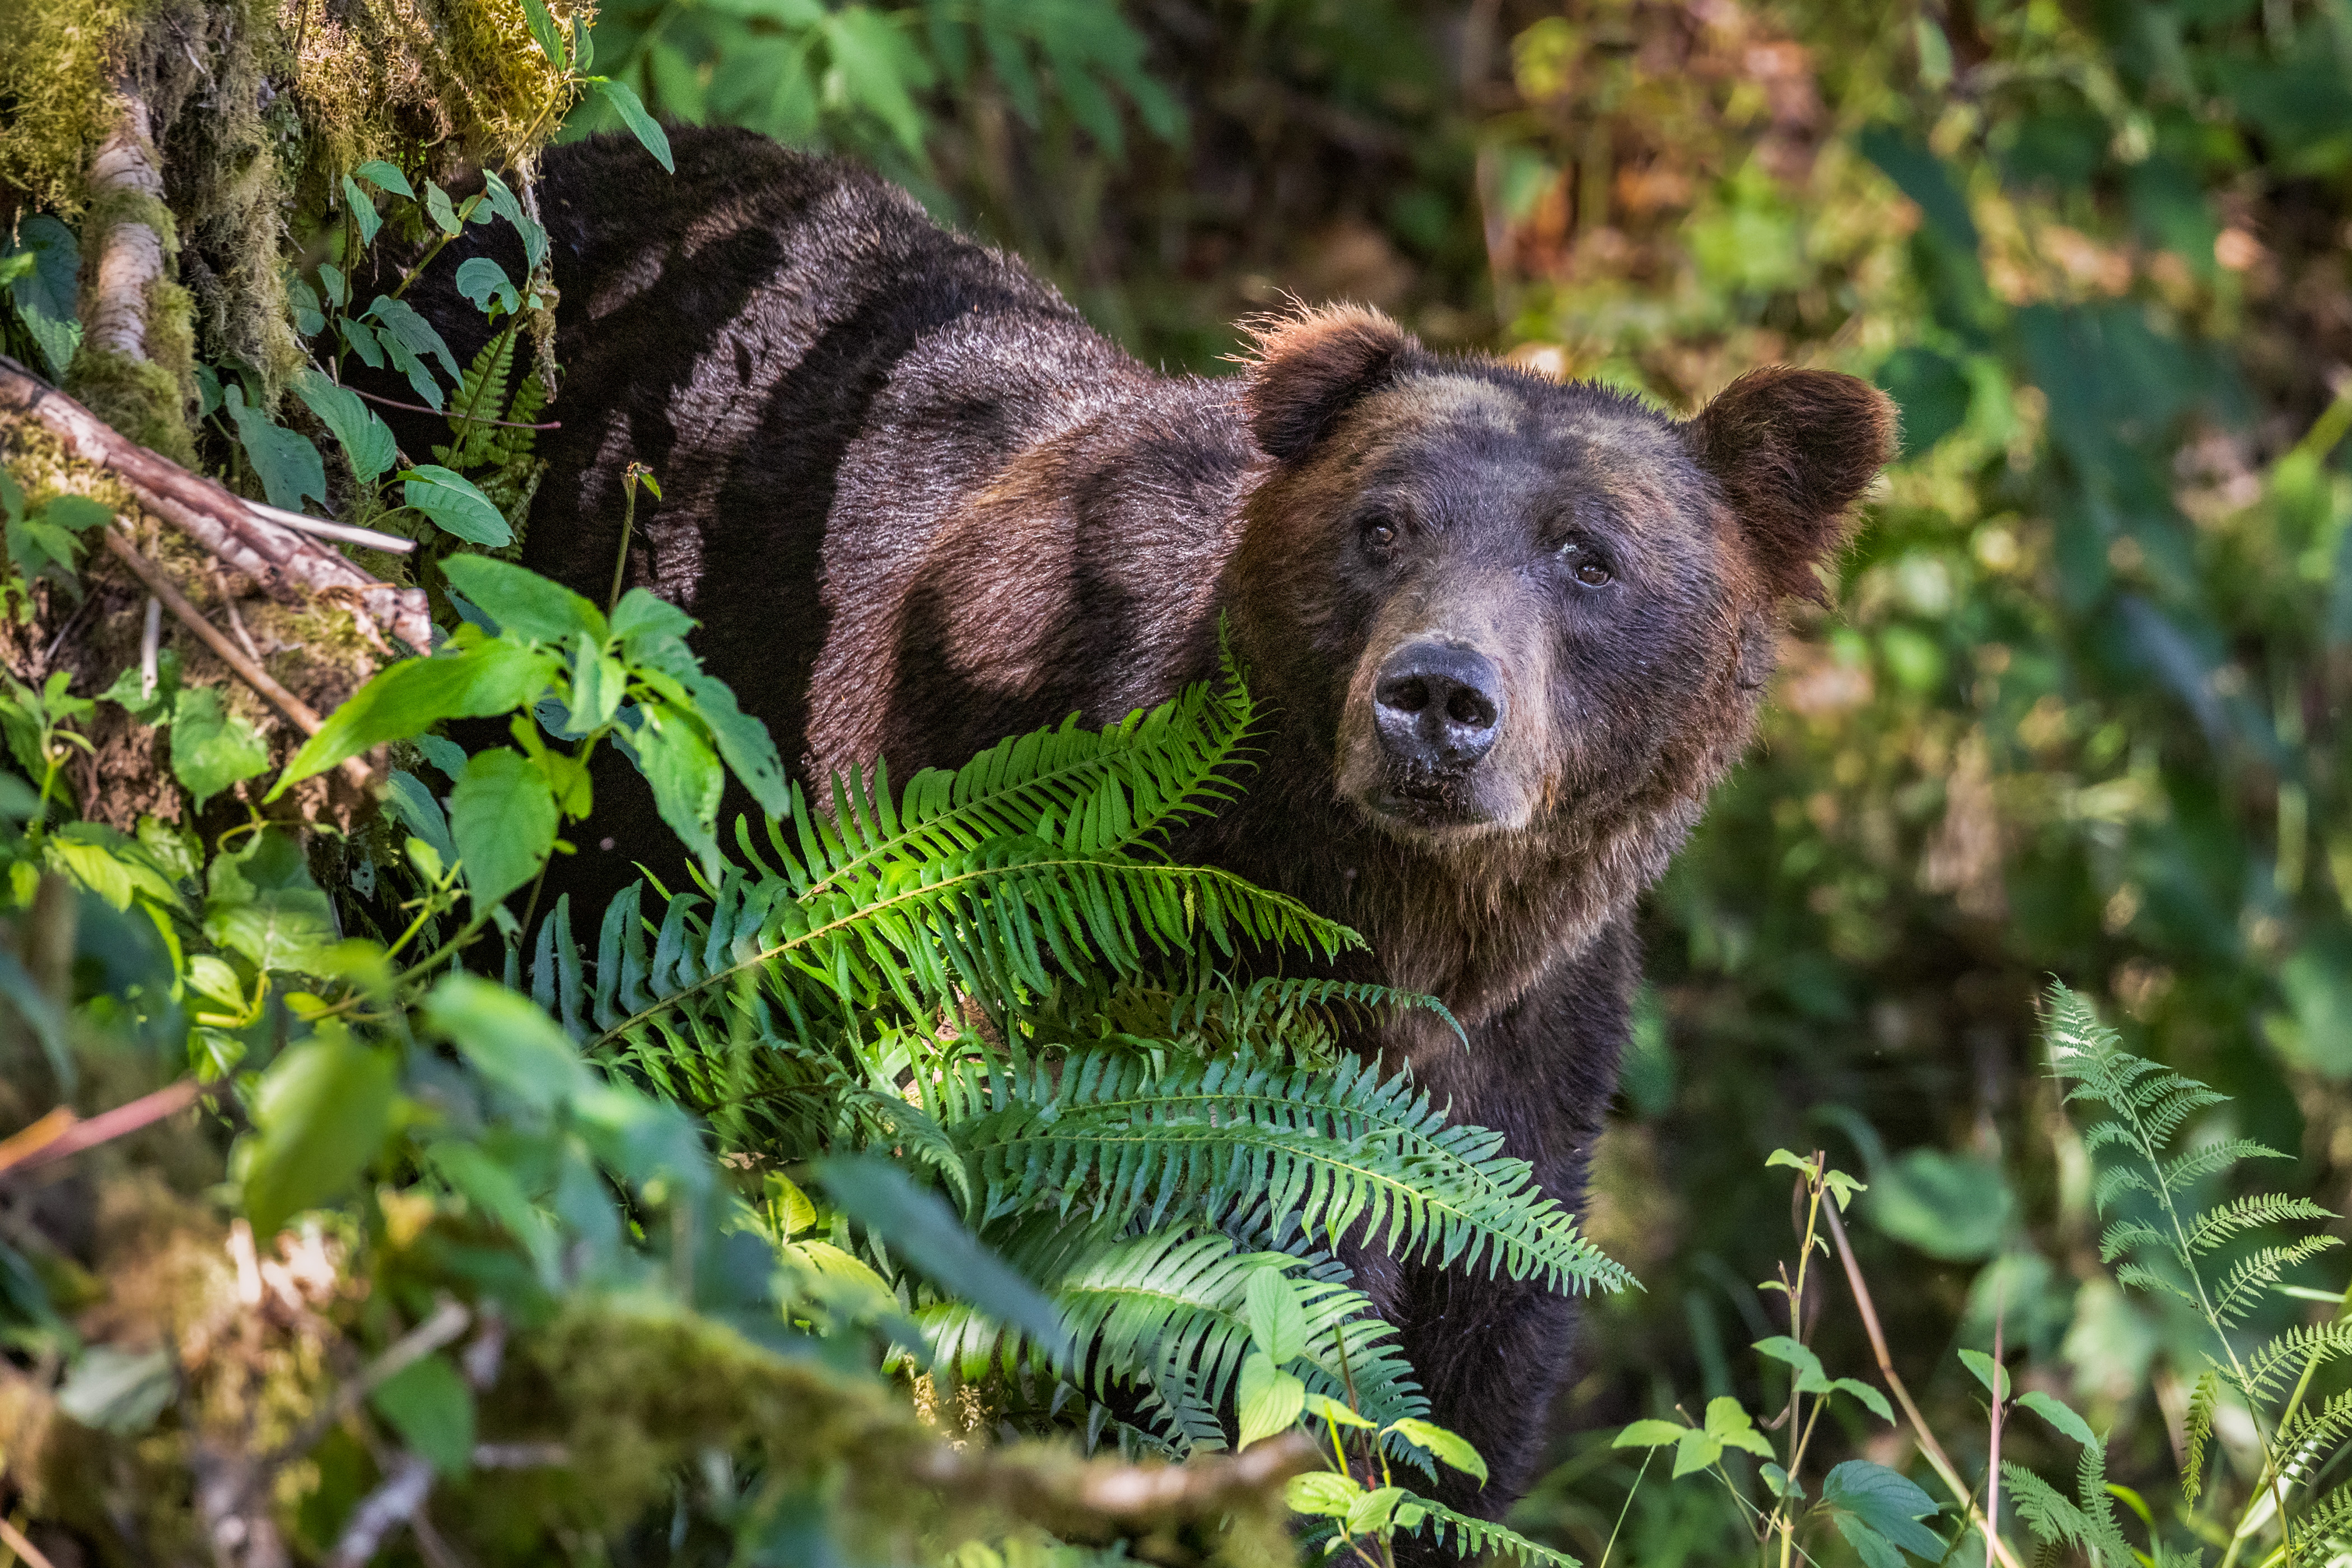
(1438, 707)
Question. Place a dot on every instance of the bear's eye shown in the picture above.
(1586, 563)
(1379, 535)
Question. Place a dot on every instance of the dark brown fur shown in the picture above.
(918, 505)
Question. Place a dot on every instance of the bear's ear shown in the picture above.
(1308, 368)
(1793, 450)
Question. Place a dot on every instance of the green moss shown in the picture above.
(53, 63)
(137, 397)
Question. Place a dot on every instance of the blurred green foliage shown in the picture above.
(2080, 708)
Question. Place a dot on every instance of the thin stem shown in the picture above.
(461, 418)
(1992, 1452)
(1921, 1433)
(440, 244)
(629, 479)
(1647, 1456)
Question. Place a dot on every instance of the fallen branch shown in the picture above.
(382, 1511)
(1094, 1502)
(60, 1133)
(1937, 1460)
(14, 1539)
(284, 560)
(298, 712)
(130, 259)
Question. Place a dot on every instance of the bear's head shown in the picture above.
(1510, 607)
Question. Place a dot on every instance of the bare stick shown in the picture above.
(382, 1511)
(236, 621)
(15, 1542)
(390, 543)
(447, 1322)
(1937, 1460)
(60, 1134)
(286, 562)
(460, 419)
(1993, 1459)
(299, 712)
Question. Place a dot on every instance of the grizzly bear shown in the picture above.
(1507, 632)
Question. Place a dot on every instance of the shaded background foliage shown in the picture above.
(2079, 708)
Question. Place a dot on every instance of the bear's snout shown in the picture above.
(1438, 709)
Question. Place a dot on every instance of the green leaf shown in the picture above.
(319, 1115)
(1277, 1320)
(482, 280)
(1323, 1407)
(45, 293)
(685, 774)
(384, 177)
(1811, 1378)
(410, 697)
(524, 603)
(437, 208)
(455, 506)
(77, 514)
(1269, 1400)
(1777, 1479)
(502, 815)
(213, 748)
(1450, 1446)
(1374, 1509)
(366, 440)
(1793, 1160)
(1650, 1435)
(642, 619)
(287, 463)
(1954, 1206)
(598, 684)
(1989, 1372)
(918, 1225)
(542, 29)
(119, 1392)
(1696, 1452)
(262, 903)
(363, 210)
(397, 321)
(2051, 1410)
(509, 1040)
(1729, 1423)
(743, 742)
(429, 1404)
(1324, 1493)
(625, 103)
(1887, 1503)
(1870, 1397)
(1874, 1548)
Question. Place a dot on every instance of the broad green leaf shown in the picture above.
(410, 697)
(119, 1392)
(1324, 1493)
(491, 1186)
(919, 1227)
(524, 603)
(1729, 1423)
(1277, 1322)
(1870, 1397)
(213, 748)
(1696, 1452)
(288, 464)
(1323, 1407)
(1269, 1399)
(384, 177)
(319, 1115)
(417, 811)
(429, 1404)
(509, 1040)
(366, 440)
(397, 321)
(1449, 1447)
(45, 293)
(363, 210)
(1811, 1378)
(437, 208)
(1874, 1548)
(1777, 1479)
(481, 280)
(642, 618)
(1991, 1373)
(1650, 1435)
(1373, 1511)
(502, 815)
(598, 684)
(2060, 1417)
(456, 506)
(261, 903)
(1887, 1503)
(543, 32)
(743, 742)
(648, 130)
(685, 774)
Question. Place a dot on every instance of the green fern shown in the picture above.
(1474, 1538)
(1163, 1313)
(1323, 1152)
(482, 394)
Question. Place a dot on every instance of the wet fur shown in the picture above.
(918, 504)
